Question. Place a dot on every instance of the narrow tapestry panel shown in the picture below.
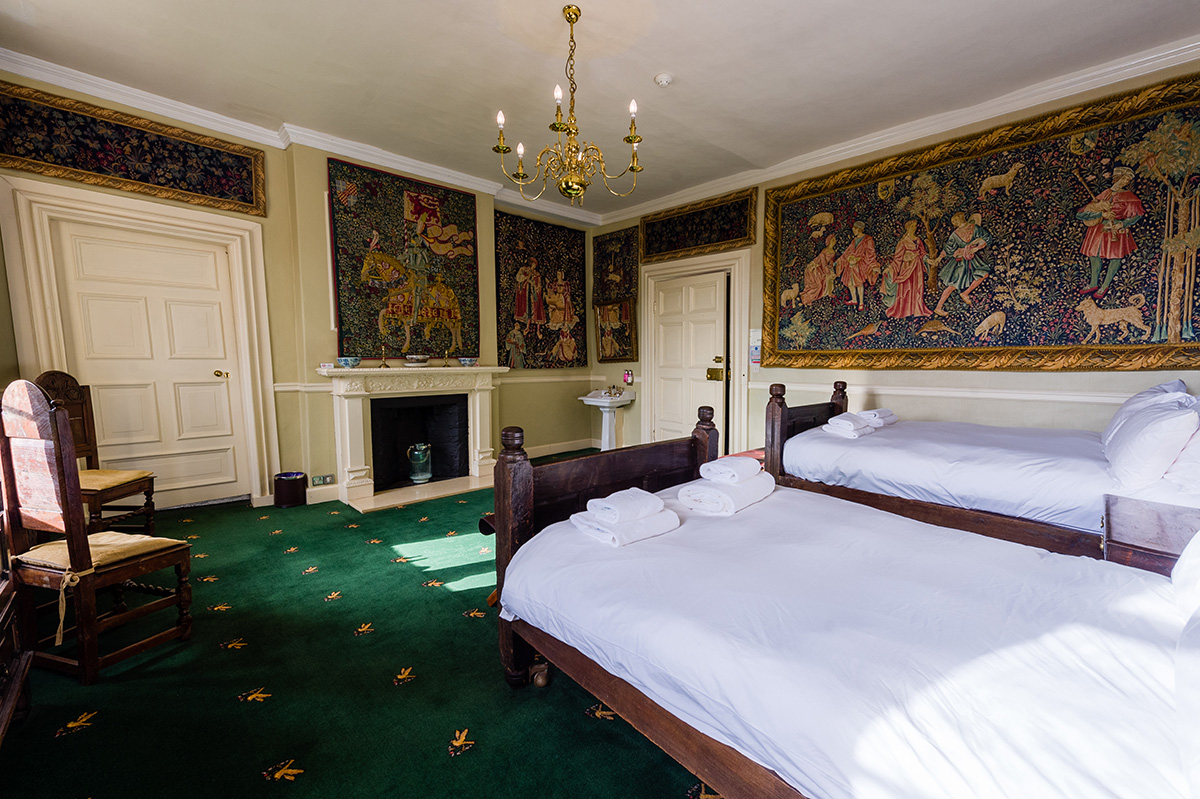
(63, 138)
(540, 293)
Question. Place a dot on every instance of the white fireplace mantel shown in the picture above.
(353, 390)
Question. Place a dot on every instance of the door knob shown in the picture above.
(219, 373)
(718, 359)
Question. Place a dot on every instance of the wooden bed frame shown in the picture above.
(784, 422)
(528, 498)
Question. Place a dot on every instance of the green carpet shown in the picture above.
(335, 654)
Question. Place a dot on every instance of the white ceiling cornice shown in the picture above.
(1139, 65)
(146, 102)
(291, 134)
(103, 89)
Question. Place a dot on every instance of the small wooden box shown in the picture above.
(1147, 535)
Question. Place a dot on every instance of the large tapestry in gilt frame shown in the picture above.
(1066, 242)
(405, 268)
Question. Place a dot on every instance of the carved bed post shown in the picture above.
(776, 415)
(838, 397)
(514, 517)
(705, 438)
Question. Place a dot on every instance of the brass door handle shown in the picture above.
(219, 373)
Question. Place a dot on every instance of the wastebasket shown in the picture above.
(290, 489)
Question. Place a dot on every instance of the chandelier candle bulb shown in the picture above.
(632, 110)
(501, 147)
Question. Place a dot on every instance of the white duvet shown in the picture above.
(1054, 476)
(861, 654)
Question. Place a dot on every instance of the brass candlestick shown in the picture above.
(383, 364)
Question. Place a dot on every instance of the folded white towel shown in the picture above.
(849, 421)
(876, 413)
(730, 469)
(847, 433)
(625, 506)
(725, 499)
(618, 535)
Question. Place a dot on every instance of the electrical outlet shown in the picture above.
(322, 479)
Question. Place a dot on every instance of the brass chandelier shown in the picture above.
(572, 164)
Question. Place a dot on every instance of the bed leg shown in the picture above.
(516, 655)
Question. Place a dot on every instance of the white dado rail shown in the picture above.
(353, 390)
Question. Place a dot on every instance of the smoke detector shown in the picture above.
(664, 79)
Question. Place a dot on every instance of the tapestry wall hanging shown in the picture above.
(615, 266)
(614, 294)
(405, 267)
(1067, 242)
(616, 327)
(713, 225)
(540, 322)
(63, 138)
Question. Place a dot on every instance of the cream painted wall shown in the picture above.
(299, 282)
(544, 401)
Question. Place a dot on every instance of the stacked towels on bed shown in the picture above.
(848, 425)
(727, 485)
(879, 417)
(857, 425)
(626, 516)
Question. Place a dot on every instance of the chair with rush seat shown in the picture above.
(42, 501)
(100, 487)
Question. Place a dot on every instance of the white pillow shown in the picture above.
(1185, 578)
(1130, 407)
(1146, 444)
(1184, 473)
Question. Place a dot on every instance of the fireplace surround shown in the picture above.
(353, 391)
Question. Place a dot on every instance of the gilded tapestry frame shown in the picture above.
(255, 158)
(1081, 125)
(671, 234)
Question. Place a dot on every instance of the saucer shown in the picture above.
(416, 363)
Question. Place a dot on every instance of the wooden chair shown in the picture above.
(39, 478)
(100, 487)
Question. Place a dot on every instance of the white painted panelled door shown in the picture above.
(148, 323)
(689, 340)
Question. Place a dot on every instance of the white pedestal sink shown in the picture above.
(608, 405)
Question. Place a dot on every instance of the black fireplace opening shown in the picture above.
(398, 423)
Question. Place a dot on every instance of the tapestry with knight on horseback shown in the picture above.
(1064, 242)
(406, 268)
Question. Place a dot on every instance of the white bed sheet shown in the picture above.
(1053, 476)
(861, 654)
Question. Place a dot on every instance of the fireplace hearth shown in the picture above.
(398, 423)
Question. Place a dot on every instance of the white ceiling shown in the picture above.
(758, 83)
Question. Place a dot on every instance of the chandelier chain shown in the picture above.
(571, 74)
